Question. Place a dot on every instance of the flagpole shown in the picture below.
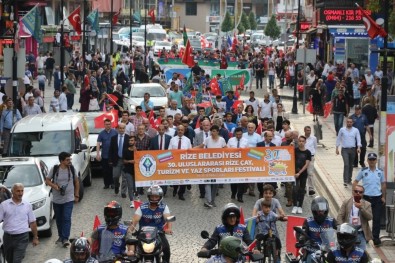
(83, 32)
(62, 44)
(145, 30)
(130, 28)
(14, 72)
(294, 81)
(111, 40)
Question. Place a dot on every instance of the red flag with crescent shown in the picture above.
(151, 13)
(75, 20)
(115, 17)
(372, 27)
(110, 115)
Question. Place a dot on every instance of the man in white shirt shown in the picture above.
(253, 102)
(276, 138)
(168, 131)
(63, 100)
(311, 145)
(180, 142)
(265, 108)
(40, 62)
(173, 110)
(252, 137)
(130, 129)
(31, 108)
(203, 133)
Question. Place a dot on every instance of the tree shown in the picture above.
(377, 7)
(227, 24)
(244, 21)
(272, 29)
(252, 21)
(240, 29)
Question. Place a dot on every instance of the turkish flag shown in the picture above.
(197, 124)
(113, 99)
(242, 221)
(372, 27)
(235, 42)
(242, 80)
(236, 103)
(290, 234)
(151, 13)
(187, 58)
(151, 119)
(75, 20)
(109, 115)
(115, 17)
(137, 204)
(204, 105)
(158, 121)
(95, 245)
(259, 128)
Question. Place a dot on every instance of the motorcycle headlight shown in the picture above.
(36, 205)
(149, 248)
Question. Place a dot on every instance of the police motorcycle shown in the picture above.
(329, 241)
(148, 243)
(233, 248)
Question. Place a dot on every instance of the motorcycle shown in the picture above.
(245, 255)
(148, 244)
(329, 241)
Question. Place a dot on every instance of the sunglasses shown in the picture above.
(358, 192)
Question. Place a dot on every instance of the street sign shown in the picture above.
(310, 56)
(8, 54)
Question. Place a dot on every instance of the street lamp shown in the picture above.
(130, 24)
(61, 43)
(295, 99)
(111, 44)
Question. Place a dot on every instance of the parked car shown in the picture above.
(160, 45)
(138, 41)
(196, 44)
(48, 134)
(31, 172)
(157, 92)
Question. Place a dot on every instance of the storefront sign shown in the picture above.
(342, 16)
(348, 32)
(214, 166)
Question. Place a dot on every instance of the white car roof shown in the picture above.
(17, 160)
(48, 122)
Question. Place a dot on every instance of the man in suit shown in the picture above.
(118, 143)
(357, 212)
(161, 142)
(238, 114)
(267, 142)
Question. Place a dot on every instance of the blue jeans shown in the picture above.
(271, 81)
(63, 219)
(338, 118)
(362, 240)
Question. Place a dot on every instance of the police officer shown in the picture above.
(320, 221)
(112, 235)
(373, 181)
(360, 121)
(230, 227)
(347, 251)
(80, 252)
(154, 213)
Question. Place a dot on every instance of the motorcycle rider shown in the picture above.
(229, 248)
(80, 252)
(230, 227)
(112, 235)
(316, 224)
(347, 251)
(154, 213)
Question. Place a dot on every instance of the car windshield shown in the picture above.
(156, 36)
(163, 44)
(175, 35)
(48, 143)
(137, 38)
(155, 91)
(28, 175)
(124, 30)
(195, 43)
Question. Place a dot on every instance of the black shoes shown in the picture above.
(116, 190)
(123, 195)
(106, 187)
(181, 198)
(174, 192)
(240, 200)
(376, 242)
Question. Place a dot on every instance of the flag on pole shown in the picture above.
(115, 17)
(110, 115)
(93, 20)
(137, 204)
(32, 22)
(75, 20)
(151, 119)
(137, 16)
(250, 224)
(234, 43)
(229, 41)
(242, 221)
(185, 36)
(151, 13)
(372, 27)
(242, 80)
(187, 59)
(95, 245)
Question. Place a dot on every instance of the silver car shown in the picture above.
(156, 91)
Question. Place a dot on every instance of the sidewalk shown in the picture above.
(329, 167)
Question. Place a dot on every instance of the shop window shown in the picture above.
(191, 9)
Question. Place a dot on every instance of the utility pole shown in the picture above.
(295, 99)
(111, 42)
(61, 43)
(84, 7)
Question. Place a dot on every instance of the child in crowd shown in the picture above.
(268, 193)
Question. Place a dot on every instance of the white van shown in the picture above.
(46, 135)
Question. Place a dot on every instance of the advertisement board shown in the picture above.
(214, 166)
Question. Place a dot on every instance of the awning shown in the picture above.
(310, 31)
(33, 3)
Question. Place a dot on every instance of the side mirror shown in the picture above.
(171, 219)
(204, 234)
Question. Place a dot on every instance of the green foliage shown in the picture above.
(391, 23)
(227, 24)
(244, 21)
(272, 29)
(374, 6)
(240, 29)
(251, 19)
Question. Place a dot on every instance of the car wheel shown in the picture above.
(81, 189)
(88, 177)
(46, 233)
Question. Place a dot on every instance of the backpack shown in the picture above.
(56, 172)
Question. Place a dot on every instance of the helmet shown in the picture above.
(347, 235)
(228, 210)
(231, 247)
(80, 250)
(320, 209)
(112, 213)
(155, 190)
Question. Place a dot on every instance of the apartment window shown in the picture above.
(191, 9)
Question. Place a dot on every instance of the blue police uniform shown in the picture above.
(221, 231)
(371, 181)
(340, 257)
(314, 229)
(112, 241)
(237, 231)
(361, 122)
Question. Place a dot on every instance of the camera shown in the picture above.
(62, 189)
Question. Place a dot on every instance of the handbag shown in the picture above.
(93, 105)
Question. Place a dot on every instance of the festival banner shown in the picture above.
(183, 72)
(214, 166)
(205, 64)
(235, 75)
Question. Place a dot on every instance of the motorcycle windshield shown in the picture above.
(148, 234)
(329, 239)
